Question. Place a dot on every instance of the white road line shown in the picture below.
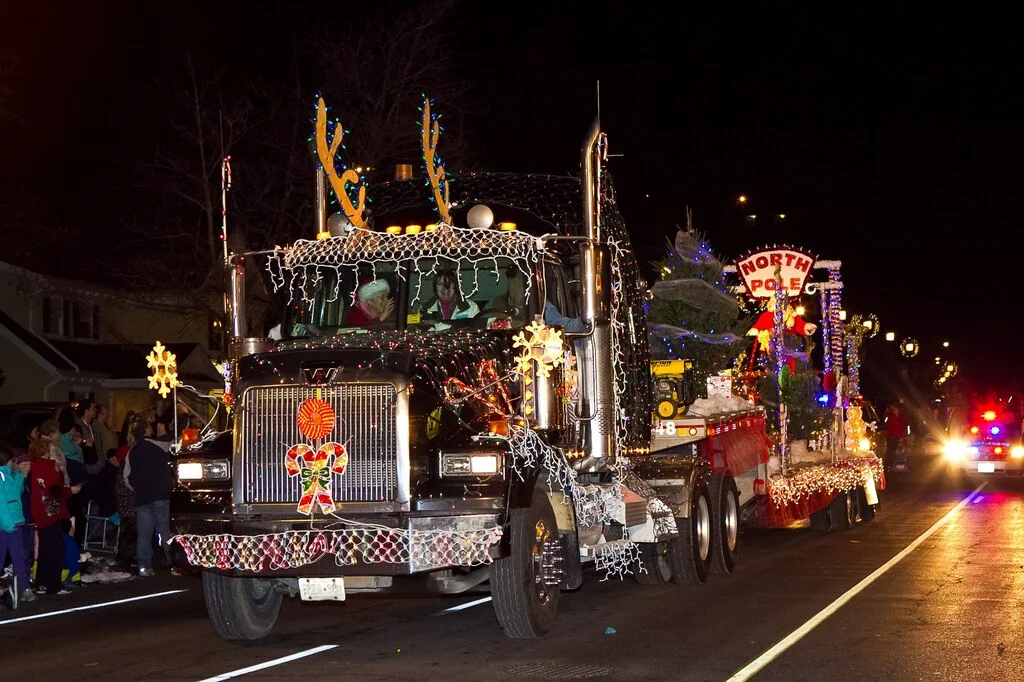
(469, 604)
(270, 664)
(90, 606)
(792, 638)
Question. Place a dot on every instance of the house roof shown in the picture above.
(37, 344)
(128, 361)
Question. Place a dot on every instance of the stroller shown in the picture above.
(901, 462)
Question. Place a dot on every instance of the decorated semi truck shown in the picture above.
(459, 394)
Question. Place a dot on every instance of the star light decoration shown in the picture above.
(165, 369)
(544, 345)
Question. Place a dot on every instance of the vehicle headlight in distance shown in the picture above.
(955, 450)
(204, 470)
(1017, 451)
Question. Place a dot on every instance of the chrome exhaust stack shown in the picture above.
(598, 382)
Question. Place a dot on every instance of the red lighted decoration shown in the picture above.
(314, 469)
(315, 418)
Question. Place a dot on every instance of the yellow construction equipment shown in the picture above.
(673, 387)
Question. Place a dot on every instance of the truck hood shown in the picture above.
(440, 367)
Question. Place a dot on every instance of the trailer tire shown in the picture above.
(241, 608)
(656, 563)
(865, 510)
(725, 530)
(690, 551)
(524, 602)
(842, 512)
(819, 519)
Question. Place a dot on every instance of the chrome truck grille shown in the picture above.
(366, 423)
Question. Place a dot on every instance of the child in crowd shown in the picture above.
(50, 512)
(12, 483)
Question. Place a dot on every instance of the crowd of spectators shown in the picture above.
(74, 465)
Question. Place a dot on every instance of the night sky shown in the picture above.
(888, 136)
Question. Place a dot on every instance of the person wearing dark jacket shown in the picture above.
(147, 472)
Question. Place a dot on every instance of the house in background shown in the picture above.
(63, 339)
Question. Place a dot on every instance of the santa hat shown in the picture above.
(371, 288)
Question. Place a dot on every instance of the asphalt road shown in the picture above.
(944, 605)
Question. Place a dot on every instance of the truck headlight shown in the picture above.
(1017, 452)
(204, 470)
(470, 463)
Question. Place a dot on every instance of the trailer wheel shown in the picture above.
(241, 608)
(819, 519)
(841, 512)
(655, 563)
(524, 585)
(865, 510)
(690, 551)
(725, 531)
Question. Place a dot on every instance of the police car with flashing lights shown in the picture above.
(988, 445)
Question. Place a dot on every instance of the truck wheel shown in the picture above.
(725, 531)
(241, 608)
(655, 563)
(690, 551)
(841, 512)
(524, 585)
(865, 510)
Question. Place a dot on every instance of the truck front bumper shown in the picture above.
(396, 545)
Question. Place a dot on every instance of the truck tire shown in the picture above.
(725, 529)
(690, 551)
(655, 563)
(865, 511)
(241, 608)
(841, 512)
(524, 595)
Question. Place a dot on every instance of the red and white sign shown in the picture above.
(758, 270)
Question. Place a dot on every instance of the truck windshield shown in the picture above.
(490, 295)
(342, 300)
(455, 295)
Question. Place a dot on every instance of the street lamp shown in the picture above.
(909, 348)
(890, 336)
(945, 344)
(842, 316)
(742, 199)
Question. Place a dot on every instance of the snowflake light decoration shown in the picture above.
(165, 369)
(544, 345)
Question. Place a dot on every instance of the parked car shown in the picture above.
(17, 420)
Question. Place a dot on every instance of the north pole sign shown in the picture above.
(758, 270)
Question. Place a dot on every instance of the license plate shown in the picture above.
(322, 589)
(986, 467)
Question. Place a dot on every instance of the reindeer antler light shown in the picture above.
(435, 170)
(349, 177)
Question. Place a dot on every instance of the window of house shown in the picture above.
(216, 335)
(53, 315)
(74, 319)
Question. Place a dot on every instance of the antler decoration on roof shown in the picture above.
(349, 177)
(435, 170)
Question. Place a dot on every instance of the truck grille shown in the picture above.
(365, 423)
